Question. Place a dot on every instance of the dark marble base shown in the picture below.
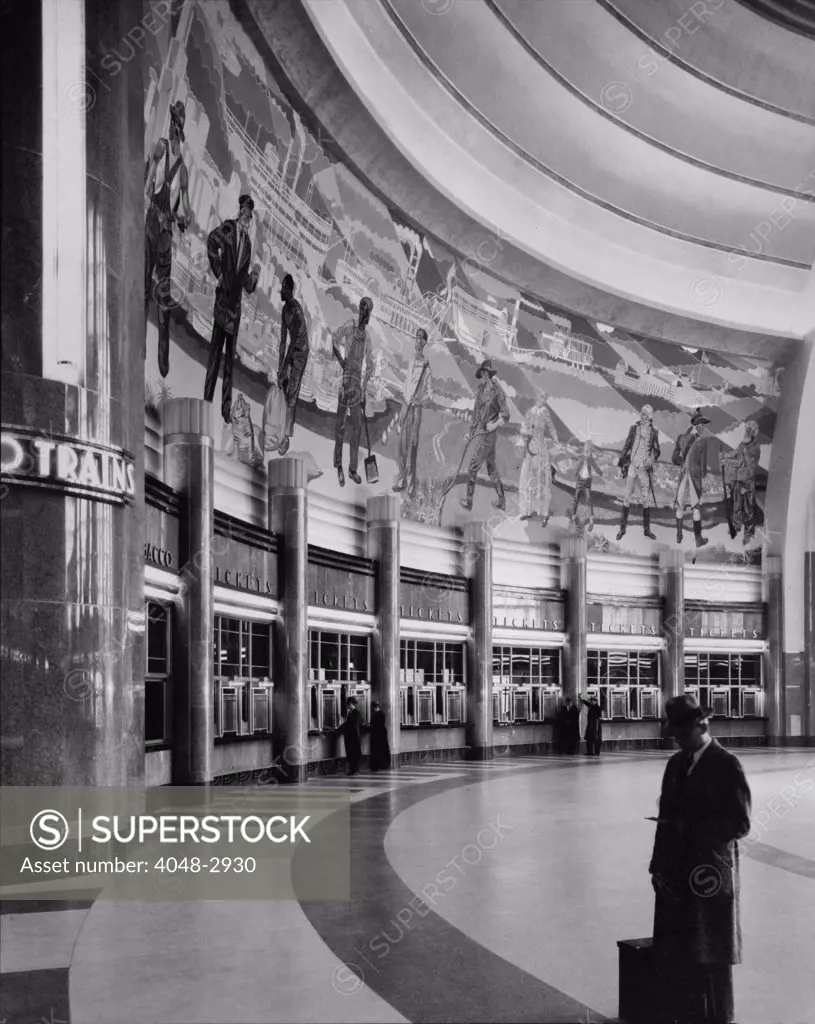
(31, 997)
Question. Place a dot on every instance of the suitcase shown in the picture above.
(642, 989)
(371, 468)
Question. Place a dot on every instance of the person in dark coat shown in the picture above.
(351, 735)
(594, 726)
(690, 454)
(293, 357)
(229, 251)
(569, 727)
(380, 747)
(704, 809)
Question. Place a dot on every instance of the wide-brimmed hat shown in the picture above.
(246, 200)
(485, 367)
(681, 712)
(697, 420)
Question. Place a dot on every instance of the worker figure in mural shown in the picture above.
(293, 358)
(739, 478)
(690, 454)
(351, 345)
(418, 395)
(489, 410)
(166, 188)
(636, 464)
(535, 484)
(229, 250)
(587, 467)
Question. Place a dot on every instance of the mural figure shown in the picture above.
(690, 454)
(586, 469)
(640, 454)
(352, 349)
(162, 213)
(230, 252)
(489, 410)
(244, 441)
(418, 395)
(739, 478)
(293, 358)
(535, 484)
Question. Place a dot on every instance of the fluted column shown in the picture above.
(573, 563)
(189, 468)
(288, 520)
(672, 584)
(774, 659)
(383, 546)
(478, 567)
(73, 624)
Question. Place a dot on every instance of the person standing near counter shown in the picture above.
(594, 726)
(351, 735)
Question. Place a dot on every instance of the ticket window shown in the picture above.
(526, 684)
(243, 688)
(339, 667)
(158, 693)
(625, 683)
(432, 682)
(727, 685)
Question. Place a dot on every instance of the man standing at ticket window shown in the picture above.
(418, 395)
(352, 349)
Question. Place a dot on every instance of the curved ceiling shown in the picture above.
(627, 185)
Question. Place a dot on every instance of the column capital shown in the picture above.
(573, 547)
(189, 417)
(289, 472)
(478, 533)
(771, 565)
(385, 508)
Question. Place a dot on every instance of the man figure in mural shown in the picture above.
(229, 251)
(739, 473)
(166, 187)
(636, 463)
(489, 410)
(293, 358)
(418, 395)
(586, 468)
(352, 350)
(690, 454)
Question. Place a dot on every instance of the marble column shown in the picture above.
(672, 585)
(383, 546)
(288, 521)
(73, 622)
(573, 569)
(478, 567)
(189, 468)
(774, 659)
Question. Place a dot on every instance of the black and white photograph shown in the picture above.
(407, 512)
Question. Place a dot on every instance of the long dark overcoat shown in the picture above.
(702, 815)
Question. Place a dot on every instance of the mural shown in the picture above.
(278, 285)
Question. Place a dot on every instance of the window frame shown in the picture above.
(165, 678)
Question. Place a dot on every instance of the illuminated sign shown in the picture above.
(56, 461)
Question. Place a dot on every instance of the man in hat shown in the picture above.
(352, 349)
(489, 411)
(636, 463)
(352, 736)
(690, 454)
(293, 358)
(418, 395)
(166, 188)
(230, 252)
(704, 809)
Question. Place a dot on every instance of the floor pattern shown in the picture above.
(427, 936)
